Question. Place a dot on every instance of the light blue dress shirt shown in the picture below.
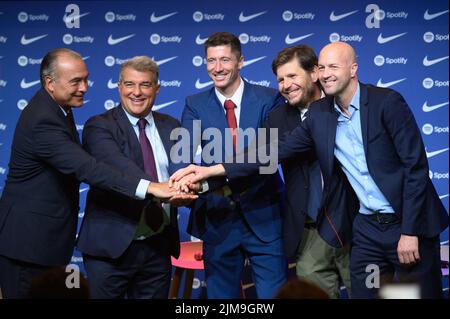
(349, 150)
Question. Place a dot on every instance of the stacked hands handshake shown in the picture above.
(182, 187)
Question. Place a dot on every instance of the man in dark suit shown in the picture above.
(123, 254)
(372, 134)
(316, 261)
(242, 219)
(39, 204)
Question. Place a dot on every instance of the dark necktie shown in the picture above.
(72, 126)
(231, 119)
(153, 215)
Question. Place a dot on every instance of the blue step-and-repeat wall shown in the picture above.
(400, 44)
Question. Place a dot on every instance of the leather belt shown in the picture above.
(384, 218)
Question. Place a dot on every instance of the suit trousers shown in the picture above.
(143, 271)
(374, 253)
(322, 264)
(224, 261)
(16, 277)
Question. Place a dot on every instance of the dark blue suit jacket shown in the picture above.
(111, 220)
(296, 172)
(395, 156)
(39, 205)
(259, 196)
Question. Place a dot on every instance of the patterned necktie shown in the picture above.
(153, 216)
(231, 119)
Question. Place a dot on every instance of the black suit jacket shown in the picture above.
(111, 219)
(296, 177)
(39, 205)
(395, 157)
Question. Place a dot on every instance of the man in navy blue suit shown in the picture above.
(39, 204)
(370, 135)
(123, 254)
(240, 220)
(297, 75)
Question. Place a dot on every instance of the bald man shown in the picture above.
(367, 142)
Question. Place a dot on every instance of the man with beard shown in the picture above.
(318, 262)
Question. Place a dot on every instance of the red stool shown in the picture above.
(191, 258)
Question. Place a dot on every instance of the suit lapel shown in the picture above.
(292, 116)
(124, 124)
(363, 104)
(215, 113)
(164, 131)
(215, 119)
(57, 110)
(248, 116)
(331, 135)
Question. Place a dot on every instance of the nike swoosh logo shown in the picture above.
(427, 62)
(442, 197)
(157, 107)
(200, 40)
(431, 16)
(25, 41)
(111, 84)
(155, 19)
(429, 108)
(388, 84)
(248, 62)
(83, 189)
(112, 41)
(290, 40)
(161, 62)
(70, 18)
(382, 40)
(243, 18)
(338, 17)
(434, 153)
(199, 85)
(26, 85)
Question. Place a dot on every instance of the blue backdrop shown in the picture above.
(400, 44)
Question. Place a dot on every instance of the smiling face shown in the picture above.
(295, 84)
(337, 69)
(224, 67)
(138, 91)
(69, 84)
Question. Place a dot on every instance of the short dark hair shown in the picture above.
(48, 64)
(304, 54)
(224, 38)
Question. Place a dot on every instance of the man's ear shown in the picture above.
(353, 69)
(241, 62)
(49, 83)
(315, 74)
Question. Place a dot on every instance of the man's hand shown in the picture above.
(408, 249)
(164, 192)
(185, 185)
(182, 199)
(200, 173)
